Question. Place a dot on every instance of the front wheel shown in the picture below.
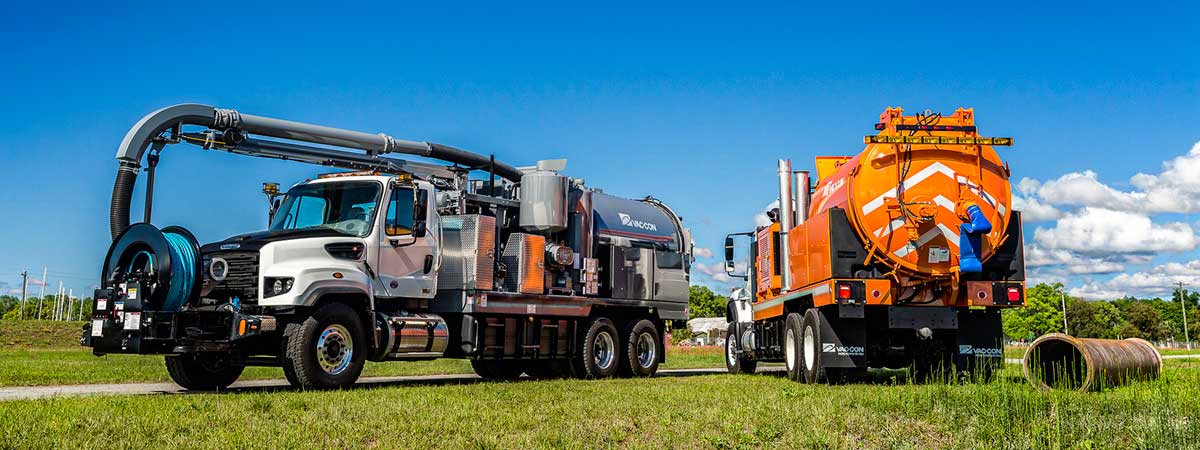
(735, 363)
(326, 350)
(203, 372)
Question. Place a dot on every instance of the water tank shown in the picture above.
(544, 198)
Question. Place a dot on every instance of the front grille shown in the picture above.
(242, 279)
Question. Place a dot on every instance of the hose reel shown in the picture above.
(165, 263)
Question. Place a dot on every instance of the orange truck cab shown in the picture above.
(900, 257)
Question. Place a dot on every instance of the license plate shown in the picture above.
(97, 327)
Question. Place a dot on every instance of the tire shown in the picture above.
(490, 369)
(791, 347)
(734, 362)
(810, 350)
(200, 372)
(599, 350)
(327, 350)
(640, 349)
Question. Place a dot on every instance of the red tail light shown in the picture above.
(843, 292)
(1014, 295)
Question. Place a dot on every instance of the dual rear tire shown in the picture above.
(203, 371)
(604, 353)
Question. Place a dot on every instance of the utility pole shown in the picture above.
(42, 294)
(1183, 306)
(24, 286)
(70, 304)
(1063, 297)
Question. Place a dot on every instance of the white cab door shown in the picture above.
(408, 245)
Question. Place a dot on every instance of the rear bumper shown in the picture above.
(160, 332)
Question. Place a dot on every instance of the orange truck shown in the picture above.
(900, 257)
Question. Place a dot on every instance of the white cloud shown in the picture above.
(1176, 189)
(702, 252)
(1033, 210)
(1070, 262)
(714, 271)
(1094, 230)
(1158, 281)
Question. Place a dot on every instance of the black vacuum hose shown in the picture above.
(118, 213)
(473, 160)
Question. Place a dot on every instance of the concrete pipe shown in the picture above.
(1059, 361)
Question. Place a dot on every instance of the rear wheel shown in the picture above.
(735, 363)
(598, 350)
(792, 342)
(326, 350)
(814, 370)
(640, 353)
(203, 372)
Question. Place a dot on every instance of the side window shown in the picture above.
(308, 211)
(400, 213)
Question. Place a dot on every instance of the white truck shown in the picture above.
(526, 271)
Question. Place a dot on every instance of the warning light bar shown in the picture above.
(906, 127)
(947, 140)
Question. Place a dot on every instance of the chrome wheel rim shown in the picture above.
(731, 350)
(810, 348)
(602, 351)
(647, 352)
(789, 353)
(335, 349)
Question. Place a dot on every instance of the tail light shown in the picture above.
(844, 292)
(1014, 295)
(346, 250)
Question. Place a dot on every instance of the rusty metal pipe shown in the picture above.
(1059, 361)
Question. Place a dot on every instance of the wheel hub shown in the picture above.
(810, 348)
(335, 349)
(647, 352)
(602, 351)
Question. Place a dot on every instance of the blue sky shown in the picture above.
(690, 102)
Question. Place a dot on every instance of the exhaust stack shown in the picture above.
(786, 216)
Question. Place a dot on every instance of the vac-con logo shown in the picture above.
(631, 222)
(982, 352)
(841, 350)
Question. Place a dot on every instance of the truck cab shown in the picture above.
(371, 236)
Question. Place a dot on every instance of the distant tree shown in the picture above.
(1145, 318)
(1093, 319)
(1040, 315)
(703, 302)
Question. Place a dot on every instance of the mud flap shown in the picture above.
(843, 339)
(980, 340)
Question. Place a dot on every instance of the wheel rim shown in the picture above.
(335, 349)
(731, 350)
(602, 351)
(789, 353)
(810, 348)
(647, 352)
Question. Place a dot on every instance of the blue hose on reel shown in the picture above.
(183, 271)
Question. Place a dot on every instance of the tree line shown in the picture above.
(10, 307)
(1154, 319)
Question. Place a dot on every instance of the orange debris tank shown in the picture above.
(914, 226)
(900, 256)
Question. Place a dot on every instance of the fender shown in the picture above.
(739, 309)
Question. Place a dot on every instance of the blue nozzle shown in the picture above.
(970, 244)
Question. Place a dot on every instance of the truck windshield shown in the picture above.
(347, 207)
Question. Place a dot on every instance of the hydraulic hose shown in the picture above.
(183, 273)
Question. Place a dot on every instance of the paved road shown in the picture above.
(35, 392)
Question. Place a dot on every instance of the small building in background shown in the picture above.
(708, 330)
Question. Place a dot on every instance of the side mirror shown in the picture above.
(420, 212)
(729, 250)
(731, 268)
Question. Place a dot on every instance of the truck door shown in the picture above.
(408, 245)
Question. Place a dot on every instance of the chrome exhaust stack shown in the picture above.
(786, 217)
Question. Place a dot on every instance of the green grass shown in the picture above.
(39, 334)
(712, 411)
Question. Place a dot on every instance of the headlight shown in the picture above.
(276, 286)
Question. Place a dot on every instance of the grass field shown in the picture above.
(711, 411)
(714, 411)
